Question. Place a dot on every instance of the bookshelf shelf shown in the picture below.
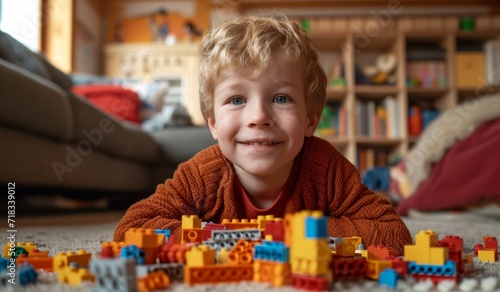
(380, 115)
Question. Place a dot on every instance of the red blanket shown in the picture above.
(113, 99)
(468, 173)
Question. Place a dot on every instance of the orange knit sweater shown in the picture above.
(326, 181)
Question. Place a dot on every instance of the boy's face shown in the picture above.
(260, 123)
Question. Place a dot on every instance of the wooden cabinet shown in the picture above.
(388, 82)
(176, 64)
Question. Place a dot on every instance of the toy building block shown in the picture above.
(174, 271)
(172, 252)
(155, 281)
(348, 268)
(194, 235)
(316, 227)
(191, 222)
(26, 274)
(375, 267)
(63, 259)
(135, 253)
(355, 240)
(274, 231)
(452, 241)
(380, 252)
(215, 274)
(222, 256)
(262, 221)
(446, 270)
(426, 250)
(200, 256)
(491, 242)
(345, 249)
(388, 278)
(74, 275)
(114, 274)
(240, 224)
(308, 256)
(272, 251)
(276, 273)
(487, 255)
(145, 239)
(162, 235)
(229, 238)
(206, 232)
(28, 246)
(400, 266)
(116, 247)
(46, 264)
(242, 253)
(310, 283)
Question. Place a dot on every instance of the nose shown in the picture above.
(260, 114)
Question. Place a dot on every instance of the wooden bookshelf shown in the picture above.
(431, 85)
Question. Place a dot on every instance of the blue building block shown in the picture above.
(163, 231)
(389, 278)
(448, 269)
(271, 251)
(316, 227)
(26, 274)
(132, 252)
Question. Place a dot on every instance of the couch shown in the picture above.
(54, 139)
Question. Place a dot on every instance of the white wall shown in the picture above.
(21, 19)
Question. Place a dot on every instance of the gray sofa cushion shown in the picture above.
(31, 104)
(108, 134)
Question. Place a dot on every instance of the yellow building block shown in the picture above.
(375, 267)
(276, 273)
(28, 246)
(191, 222)
(75, 276)
(309, 256)
(261, 220)
(345, 249)
(200, 256)
(222, 256)
(420, 253)
(439, 255)
(355, 240)
(63, 259)
(486, 255)
(141, 237)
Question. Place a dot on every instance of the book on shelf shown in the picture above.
(378, 118)
(333, 120)
(372, 157)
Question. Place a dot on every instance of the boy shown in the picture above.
(262, 92)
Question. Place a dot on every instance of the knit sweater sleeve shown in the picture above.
(190, 191)
(354, 210)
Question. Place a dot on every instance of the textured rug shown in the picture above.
(71, 233)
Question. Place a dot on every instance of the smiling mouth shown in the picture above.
(260, 143)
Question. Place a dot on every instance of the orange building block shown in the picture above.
(193, 235)
(379, 252)
(46, 264)
(116, 247)
(214, 274)
(155, 281)
(234, 224)
(375, 267)
(277, 273)
(241, 253)
(141, 237)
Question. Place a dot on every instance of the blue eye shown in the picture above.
(281, 99)
(236, 101)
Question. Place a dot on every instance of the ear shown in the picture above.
(311, 125)
(212, 126)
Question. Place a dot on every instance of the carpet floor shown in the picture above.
(88, 231)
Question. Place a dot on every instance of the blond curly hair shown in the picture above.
(248, 42)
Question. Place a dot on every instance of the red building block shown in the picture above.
(310, 283)
(348, 268)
